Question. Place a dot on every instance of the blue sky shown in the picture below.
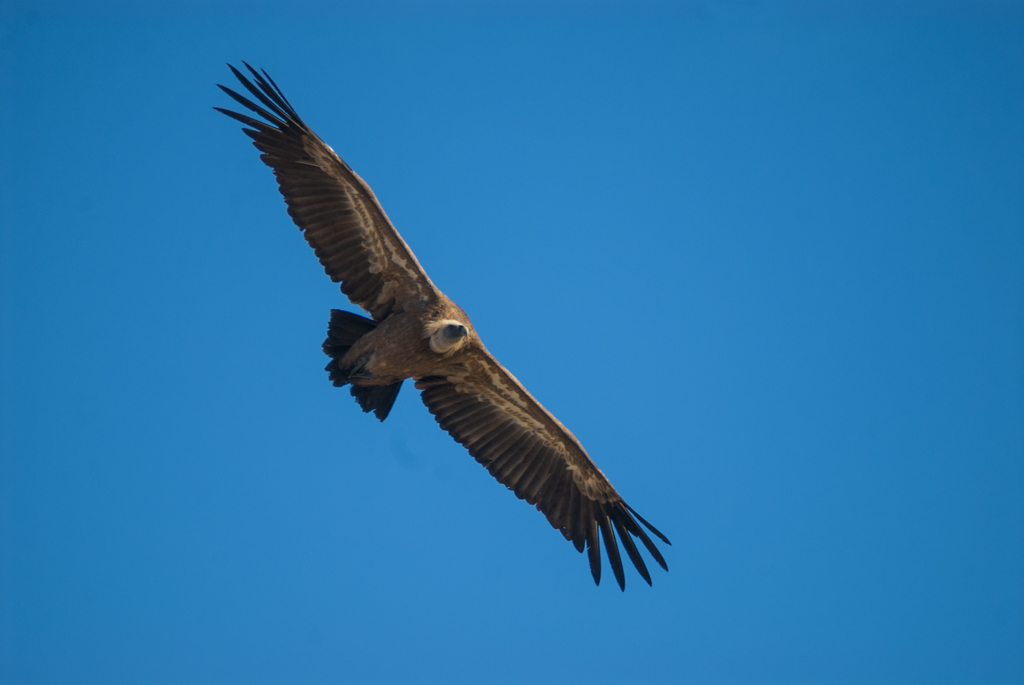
(765, 261)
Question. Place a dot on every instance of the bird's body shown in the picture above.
(416, 332)
(399, 347)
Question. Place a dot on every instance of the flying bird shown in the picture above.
(414, 331)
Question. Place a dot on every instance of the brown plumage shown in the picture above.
(417, 332)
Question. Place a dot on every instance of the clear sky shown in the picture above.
(766, 261)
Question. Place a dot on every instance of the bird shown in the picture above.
(414, 331)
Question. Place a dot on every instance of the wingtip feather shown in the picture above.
(611, 548)
(648, 525)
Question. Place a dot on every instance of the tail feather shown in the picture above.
(376, 398)
(344, 329)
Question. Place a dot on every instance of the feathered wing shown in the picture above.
(480, 404)
(338, 213)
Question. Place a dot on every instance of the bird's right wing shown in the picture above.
(480, 404)
(339, 215)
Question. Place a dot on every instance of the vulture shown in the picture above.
(414, 331)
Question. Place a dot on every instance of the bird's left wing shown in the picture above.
(480, 404)
(339, 215)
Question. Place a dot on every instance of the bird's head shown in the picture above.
(447, 335)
